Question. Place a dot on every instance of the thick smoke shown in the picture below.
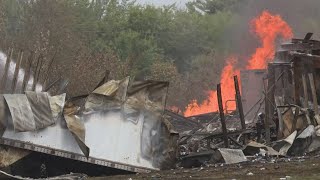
(302, 16)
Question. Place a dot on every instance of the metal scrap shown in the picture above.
(232, 156)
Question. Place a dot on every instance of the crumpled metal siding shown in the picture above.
(40, 106)
(109, 96)
(112, 132)
(4, 112)
(56, 105)
(76, 127)
(21, 112)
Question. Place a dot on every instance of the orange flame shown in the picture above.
(210, 104)
(267, 27)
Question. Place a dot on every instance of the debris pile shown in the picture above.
(283, 121)
(119, 125)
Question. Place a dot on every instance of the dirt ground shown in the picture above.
(289, 169)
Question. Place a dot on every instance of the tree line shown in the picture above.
(80, 39)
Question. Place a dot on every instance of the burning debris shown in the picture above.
(281, 122)
(267, 27)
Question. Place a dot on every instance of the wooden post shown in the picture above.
(314, 94)
(16, 72)
(305, 91)
(5, 74)
(239, 102)
(269, 96)
(278, 103)
(306, 97)
(27, 73)
(222, 119)
(296, 84)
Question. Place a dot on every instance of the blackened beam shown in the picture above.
(235, 141)
(182, 118)
(239, 102)
(307, 37)
(214, 135)
(300, 46)
(268, 105)
(305, 91)
(308, 56)
(222, 118)
(220, 135)
(314, 94)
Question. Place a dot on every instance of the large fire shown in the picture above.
(267, 27)
(210, 104)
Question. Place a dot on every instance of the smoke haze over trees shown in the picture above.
(186, 46)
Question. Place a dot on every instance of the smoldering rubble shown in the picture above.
(281, 119)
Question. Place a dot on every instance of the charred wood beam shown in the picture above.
(300, 46)
(305, 91)
(314, 94)
(296, 84)
(278, 104)
(222, 118)
(306, 97)
(235, 142)
(269, 105)
(307, 37)
(239, 102)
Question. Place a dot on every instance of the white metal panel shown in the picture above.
(108, 136)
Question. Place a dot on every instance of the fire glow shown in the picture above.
(267, 27)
